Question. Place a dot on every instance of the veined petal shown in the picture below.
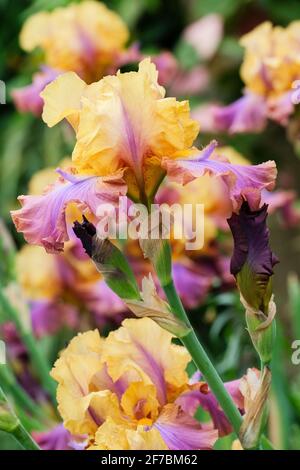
(84, 37)
(243, 181)
(42, 219)
(182, 432)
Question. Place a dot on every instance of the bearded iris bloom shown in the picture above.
(269, 70)
(87, 38)
(131, 391)
(128, 137)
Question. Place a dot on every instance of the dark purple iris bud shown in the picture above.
(252, 262)
(85, 231)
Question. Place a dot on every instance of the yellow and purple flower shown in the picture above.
(87, 38)
(126, 127)
(131, 391)
(269, 71)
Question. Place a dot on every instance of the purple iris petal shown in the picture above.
(247, 114)
(182, 432)
(48, 316)
(243, 181)
(42, 218)
(59, 438)
(192, 282)
(28, 98)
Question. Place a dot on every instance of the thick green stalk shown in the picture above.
(22, 436)
(38, 360)
(203, 362)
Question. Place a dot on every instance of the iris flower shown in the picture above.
(131, 391)
(87, 38)
(128, 137)
(269, 70)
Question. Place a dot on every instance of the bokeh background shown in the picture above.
(28, 145)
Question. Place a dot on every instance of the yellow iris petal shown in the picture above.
(122, 121)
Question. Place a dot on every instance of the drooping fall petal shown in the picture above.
(42, 219)
(241, 180)
(182, 432)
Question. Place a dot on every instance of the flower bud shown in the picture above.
(252, 265)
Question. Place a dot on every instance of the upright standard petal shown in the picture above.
(111, 131)
(154, 358)
(86, 37)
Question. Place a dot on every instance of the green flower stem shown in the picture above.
(12, 425)
(202, 361)
(38, 360)
(22, 436)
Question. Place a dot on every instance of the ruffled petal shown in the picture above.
(42, 219)
(243, 181)
(83, 409)
(113, 436)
